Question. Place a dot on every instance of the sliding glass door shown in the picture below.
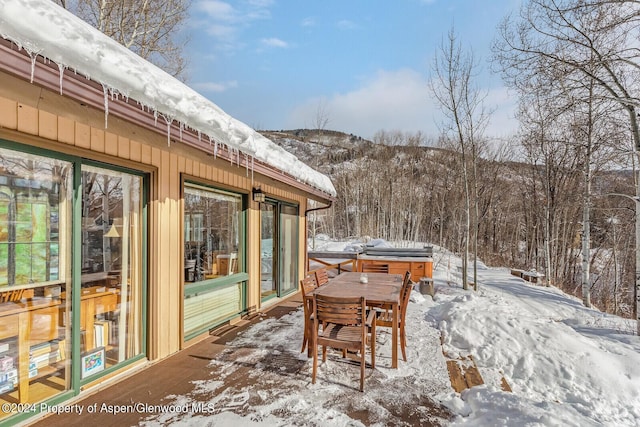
(268, 251)
(72, 274)
(278, 249)
(288, 249)
(111, 304)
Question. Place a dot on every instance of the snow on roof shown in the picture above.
(43, 28)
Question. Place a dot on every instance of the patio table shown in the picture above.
(381, 290)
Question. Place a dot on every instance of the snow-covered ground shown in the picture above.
(567, 365)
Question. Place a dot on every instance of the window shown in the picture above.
(213, 241)
(214, 245)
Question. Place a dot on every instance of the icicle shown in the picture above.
(180, 130)
(215, 149)
(252, 158)
(105, 91)
(199, 136)
(155, 117)
(169, 120)
(33, 57)
(246, 164)
(61, 68)
(230, 151)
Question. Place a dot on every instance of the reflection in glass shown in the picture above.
(35, 219)
(111, 282)
(267, 251)
(212, 240)
(289, 248)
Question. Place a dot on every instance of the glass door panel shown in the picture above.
(268, 251)
(35, 274)
(111, 281)
(288, 249)
(278, 249)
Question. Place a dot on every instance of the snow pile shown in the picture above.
(566, 364)
(43, 28)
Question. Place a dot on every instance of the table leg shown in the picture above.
(394, 339)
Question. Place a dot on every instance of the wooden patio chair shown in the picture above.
(375, 268)
(385, 317)
(344, 326)
(322, 277)
(307, 285)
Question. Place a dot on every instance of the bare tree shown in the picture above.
(462, 104)
(150, 28)
(582, 40)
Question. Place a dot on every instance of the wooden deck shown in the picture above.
(174, 375)
(181, 373)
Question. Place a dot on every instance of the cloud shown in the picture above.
(308, 22)
(346, 24)
(274, 42)
(215, 86)
(225, 22)
(390, 100)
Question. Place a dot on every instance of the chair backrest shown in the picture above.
(322, 277)
(375, 268)
(405, 294)
(307, 285)
(340, 310)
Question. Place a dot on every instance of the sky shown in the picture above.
(363, 65)
(567, 365)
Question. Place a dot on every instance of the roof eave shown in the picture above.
(81, 89)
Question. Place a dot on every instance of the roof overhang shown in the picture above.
(17, 62)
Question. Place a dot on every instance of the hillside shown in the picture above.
(321, 149)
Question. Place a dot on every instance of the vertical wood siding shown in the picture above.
(85, 135)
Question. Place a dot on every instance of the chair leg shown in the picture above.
(403, 343)
(362, 363)
(373, 345)
(315, 362)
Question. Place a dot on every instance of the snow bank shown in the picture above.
(566, 364)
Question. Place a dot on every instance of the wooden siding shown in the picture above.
(37, 117)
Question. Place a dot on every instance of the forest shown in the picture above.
(407, 188)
